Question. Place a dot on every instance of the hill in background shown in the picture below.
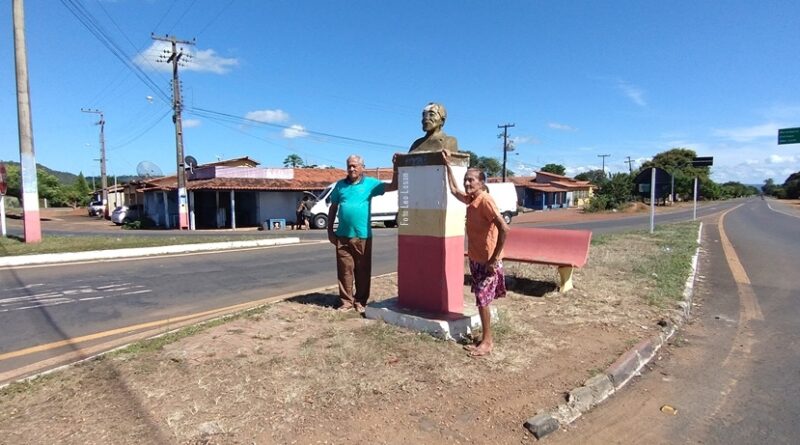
(66, 178)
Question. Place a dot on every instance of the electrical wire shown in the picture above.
(142, 133)
(96, 29)
(215, 18)
(210, 113)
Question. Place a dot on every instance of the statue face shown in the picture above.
(431, 119)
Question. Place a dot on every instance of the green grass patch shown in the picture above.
(668, 270)
(59, 243)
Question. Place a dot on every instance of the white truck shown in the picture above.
(384, 207)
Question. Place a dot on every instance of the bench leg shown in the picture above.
(565, 273)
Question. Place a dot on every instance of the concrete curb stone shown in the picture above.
(628, 365)
(49, 258)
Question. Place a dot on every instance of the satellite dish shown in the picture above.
(190, 161)
(147, 170)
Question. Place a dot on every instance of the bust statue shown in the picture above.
(433, 118)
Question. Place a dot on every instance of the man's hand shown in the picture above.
(332, 238)
(491, 266)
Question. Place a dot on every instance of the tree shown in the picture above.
(791, 187)
(678, 162)
(557, 169)
(769, 188)
(293, 161)
(596, 177)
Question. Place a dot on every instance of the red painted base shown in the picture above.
(430, 273)
(31, 227)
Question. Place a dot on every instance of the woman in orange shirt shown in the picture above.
(486, 235)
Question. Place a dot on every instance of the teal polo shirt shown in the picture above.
(355, 202)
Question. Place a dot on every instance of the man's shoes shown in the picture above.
(344, 308)
(359, 308)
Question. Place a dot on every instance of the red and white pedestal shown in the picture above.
(430, 241)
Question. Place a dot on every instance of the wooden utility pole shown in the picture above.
(103, 177)
(505, 146)
(604, 162)
(32, 228)
(174, 57)
(630, 164)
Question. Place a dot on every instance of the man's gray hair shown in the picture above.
(356, 158)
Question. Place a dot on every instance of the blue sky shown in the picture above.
(579, 79)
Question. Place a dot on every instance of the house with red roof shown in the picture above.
(235, 193)
(544, 191)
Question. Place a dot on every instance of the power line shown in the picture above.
(96, 29)
(208, 113)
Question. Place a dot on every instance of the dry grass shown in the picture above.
(298, 372)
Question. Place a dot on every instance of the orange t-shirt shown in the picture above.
(481, 230)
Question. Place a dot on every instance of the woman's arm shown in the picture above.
(502, 231)
(451, 181)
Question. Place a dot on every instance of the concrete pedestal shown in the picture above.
(447, 326)
(430, 237)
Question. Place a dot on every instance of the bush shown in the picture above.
(139, 224)
(598, 203)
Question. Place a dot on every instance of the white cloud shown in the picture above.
(294, 131)
(518, 140)
(562, 127)
(268, 116)
(205, 60)
(633, 92)
(747, 134)
(191, 123)
(780, 159)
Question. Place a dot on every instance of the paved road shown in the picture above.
(734, 373)
(47, 304)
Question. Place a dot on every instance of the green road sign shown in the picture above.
(789, 136)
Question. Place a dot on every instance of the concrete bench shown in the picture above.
(566, 249)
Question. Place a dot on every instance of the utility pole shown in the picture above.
(604, 163)
(505, 146)
(630, 165)
(32, 227)
(103, 177)
(174, 57)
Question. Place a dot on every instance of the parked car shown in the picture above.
(126, 214)
(96, 208)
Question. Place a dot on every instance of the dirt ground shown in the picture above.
(300, 372)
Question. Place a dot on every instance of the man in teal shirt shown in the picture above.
(351, 199)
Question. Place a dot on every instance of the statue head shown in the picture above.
(433, 117)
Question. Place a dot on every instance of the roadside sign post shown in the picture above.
(3, 190)
(789, 136)
(700, 161)
(652, 199)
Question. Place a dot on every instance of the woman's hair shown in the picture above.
(481, 176)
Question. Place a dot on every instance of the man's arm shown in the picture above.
(393, 185)
(331, 218)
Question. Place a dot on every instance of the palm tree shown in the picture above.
(293, 160)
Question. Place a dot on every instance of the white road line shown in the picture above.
(145, 291)
(90, 298)
(782, 212)
(40, 305)
(26, 287)
(110, 286)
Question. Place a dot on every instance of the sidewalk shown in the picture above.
(299, 372)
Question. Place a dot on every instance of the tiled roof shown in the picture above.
(545, 188)
(304, 179)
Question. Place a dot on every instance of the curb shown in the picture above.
(48, 258)
(600, 387)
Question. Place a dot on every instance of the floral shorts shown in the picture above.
(487, 286)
